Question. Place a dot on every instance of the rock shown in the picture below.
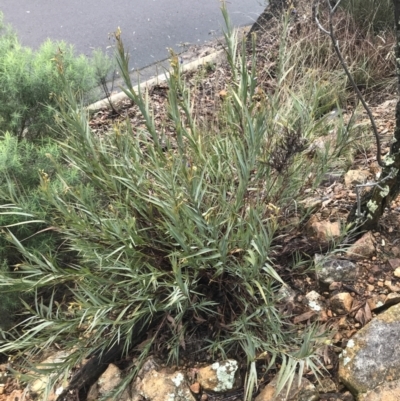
(162, 386)
(337, 397)
(389, 391)
(375, 302)
(372, 356)
(107, 382)
(355, 177)
(195, 388)
(363, 248)
(392, 287)
(341, 303)
(324, 230)
(42, 383)
(299, 391)
(16, 395)
(286, 294)
(149, 365)
(330, 269)
(392, 299)
(397, 272)
(335, 286)
(395, 251)
(311, 202)
(314, 301)
(394, 263)
(330, 178)
(219, 377)
(377, 271)
(326, 385)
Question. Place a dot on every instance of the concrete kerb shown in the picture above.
(119, 97)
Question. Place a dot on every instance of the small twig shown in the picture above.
(331, 34)
(103, 83)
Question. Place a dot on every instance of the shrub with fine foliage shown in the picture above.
(28, 79)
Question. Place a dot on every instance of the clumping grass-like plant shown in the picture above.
(376, 15)
(169, 236)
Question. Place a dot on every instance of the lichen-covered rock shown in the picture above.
(163, 386)
(314, 302)
(219, 377)
(299, 391)
(347, 396)
(372, 356)
(326, 385)
(330, 269)
(389, 391)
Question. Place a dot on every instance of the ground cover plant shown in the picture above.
(174, 234)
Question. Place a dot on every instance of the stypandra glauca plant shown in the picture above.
(169, 237)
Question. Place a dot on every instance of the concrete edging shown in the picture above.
(119, 97)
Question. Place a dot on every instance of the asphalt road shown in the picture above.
(148, 27)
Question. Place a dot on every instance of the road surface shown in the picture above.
(148, 27)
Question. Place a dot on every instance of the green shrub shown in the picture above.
(22, 167)
(177, 232)
(29, 78)
(10, 302)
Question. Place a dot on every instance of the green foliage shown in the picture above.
(22, 167)
(9, 302)
(29, 78)
(176, 233)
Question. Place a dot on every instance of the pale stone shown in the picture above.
(311, 203)
(42, 383)
(392, 287)
(355, 177)
(162, 386)
(392, 299)
(323, 230)
(372, 355)
(107, 382)
(219, 377)
(195, 388)
(286, 294)
(397, 272)
(314, 301)
(375, 302)
(302, 390)
(341, 303)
